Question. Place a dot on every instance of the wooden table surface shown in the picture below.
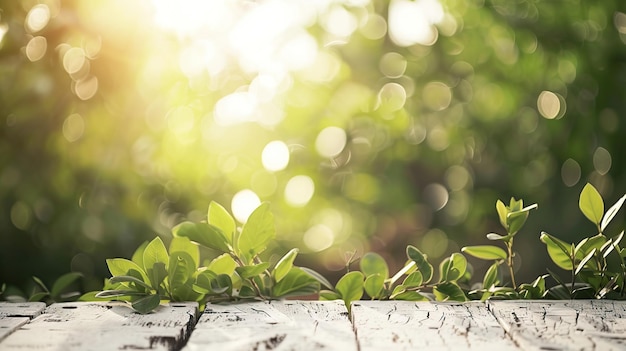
(317, 325)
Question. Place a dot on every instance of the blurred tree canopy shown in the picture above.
(367, 124)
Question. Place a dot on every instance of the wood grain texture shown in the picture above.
(274, 325)
(407, 325)
(14, 315)
(564, 325)
(105, 326)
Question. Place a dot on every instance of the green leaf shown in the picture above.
(374, 285)
(584, 261)
(222, 284)
(453, 267)
(421, 261)
(223, 264)
(116, 293)
(373, 263)
(257, 232)
(516, 221)
(64, 282)
(557, 250)
(41, 285)
(449, 291)
(410, 296)
(491, 276)
(220, 218)
(494, 236)
(38, 296)
(295, 282)
(253, 270)
(320, 278)
(129, 279)
(146, 304)
(328, 295)
(485, 252)
(203, 282)
(283, 266)
(122, 266)
(350, 287)
(413, 280)
(611, 244)
(183, 244)
(204, 234)
(138, 254)
(155, 252)
(155, 261)
(502, 213)
(589, 244)
(180, 272)
(611, 212)
(591, 204)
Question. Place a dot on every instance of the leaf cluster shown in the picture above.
(156, 273)
(64, 289)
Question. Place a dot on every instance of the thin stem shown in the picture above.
(509, 262)
(573, 258)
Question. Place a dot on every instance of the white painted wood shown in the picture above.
(564, 325)
(104, 326)
(274, 325)
(409, 325)
(14, 315)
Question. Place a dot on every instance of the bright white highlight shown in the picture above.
(275, 156)
(244, 203)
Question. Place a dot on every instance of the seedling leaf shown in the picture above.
(591, 204)
(611, 212)
(220, 218)
(204, 234)
(320, 278)
(146, 304)
(374, 285)
(284, 265)
(421, 261)
(373, 263)
(558, 251)
(485, 252)
(63, 282)
(257, 232)
(350, 287)
(295, 282)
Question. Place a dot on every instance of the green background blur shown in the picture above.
(368, 125)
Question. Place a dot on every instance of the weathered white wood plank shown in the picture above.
(407, 325)
(14, 315)
(274, 325)
(564, 325)
(105, 326)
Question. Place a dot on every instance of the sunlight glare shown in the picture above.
(299, 190)
(319, 237)
(235, 108)
(331, 141)
(37, 18)
(244, 203)
(275, 156)
(412, 22)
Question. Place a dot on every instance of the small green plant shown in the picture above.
(238, 272)
(590, 273)
(512, 217)
(64, 289)
(156, 273)
(373, 278)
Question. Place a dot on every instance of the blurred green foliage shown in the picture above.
(403, 121)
